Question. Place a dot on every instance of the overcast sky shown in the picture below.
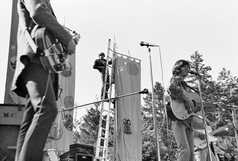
(179, 27)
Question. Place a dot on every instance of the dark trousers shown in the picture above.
(40, 112)
(107, 86)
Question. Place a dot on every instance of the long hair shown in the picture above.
(178, 65)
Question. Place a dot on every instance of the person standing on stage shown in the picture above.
(34, 82)
(202, 153)
(182, 129)
(223, 146)
(101, 65)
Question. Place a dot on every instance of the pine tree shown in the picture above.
(86, 129)
(167, 142)
(165, 137)
(228, 94)
(222, 93)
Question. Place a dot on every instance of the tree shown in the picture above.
(204, 80)
(228, 87)
(166, 140)
(86, 129)
(228, 94)
(208, 87)
(167, 143)
(223, 91)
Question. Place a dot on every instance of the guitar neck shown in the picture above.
(197, 100)
(218, 130)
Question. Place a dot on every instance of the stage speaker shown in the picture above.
(83, 157)
(8, 141)
(10, 120)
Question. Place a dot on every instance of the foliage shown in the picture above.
(227, 87)
(86, 129)
(222, 94)
(165, 137)
(203, 81)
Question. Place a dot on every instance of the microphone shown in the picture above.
(142, 43)
(195, 73)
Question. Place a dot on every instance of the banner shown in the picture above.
(128, 125)
(61, 134)
(11, 97)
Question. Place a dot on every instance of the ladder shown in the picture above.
(103, 131)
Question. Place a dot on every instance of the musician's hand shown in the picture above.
(76, 38)
(198, 108)
(71, 47)
(227, 155)
(189, 105)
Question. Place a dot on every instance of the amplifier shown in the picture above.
(10, 120)
(83, 157)
(11, 114)
(82, 149)
(76, 157)
(8, 141)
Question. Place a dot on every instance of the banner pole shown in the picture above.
(145, 91)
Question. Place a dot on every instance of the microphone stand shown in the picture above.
(203, 115)
(233, 123)
(144, 91)
(153, 108)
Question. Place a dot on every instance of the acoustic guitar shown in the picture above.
(55, 54)
(200, 144)
(179, 110)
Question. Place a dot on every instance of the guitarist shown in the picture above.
(182, 129)
(32, 81)
(223, 146)
(201, 154)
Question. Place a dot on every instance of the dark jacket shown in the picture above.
(100, 65)
(34, 14)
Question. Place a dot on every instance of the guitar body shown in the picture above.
(201, 144)
(178, 108)
(54, 58)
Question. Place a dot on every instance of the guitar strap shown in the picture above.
(26, 32)
(184, 84)
(31, 42)
(195, 90)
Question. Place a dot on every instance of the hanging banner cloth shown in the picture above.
(128, 80)
(11, 97)
(61, 133)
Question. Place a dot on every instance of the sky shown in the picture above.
(179, 28)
